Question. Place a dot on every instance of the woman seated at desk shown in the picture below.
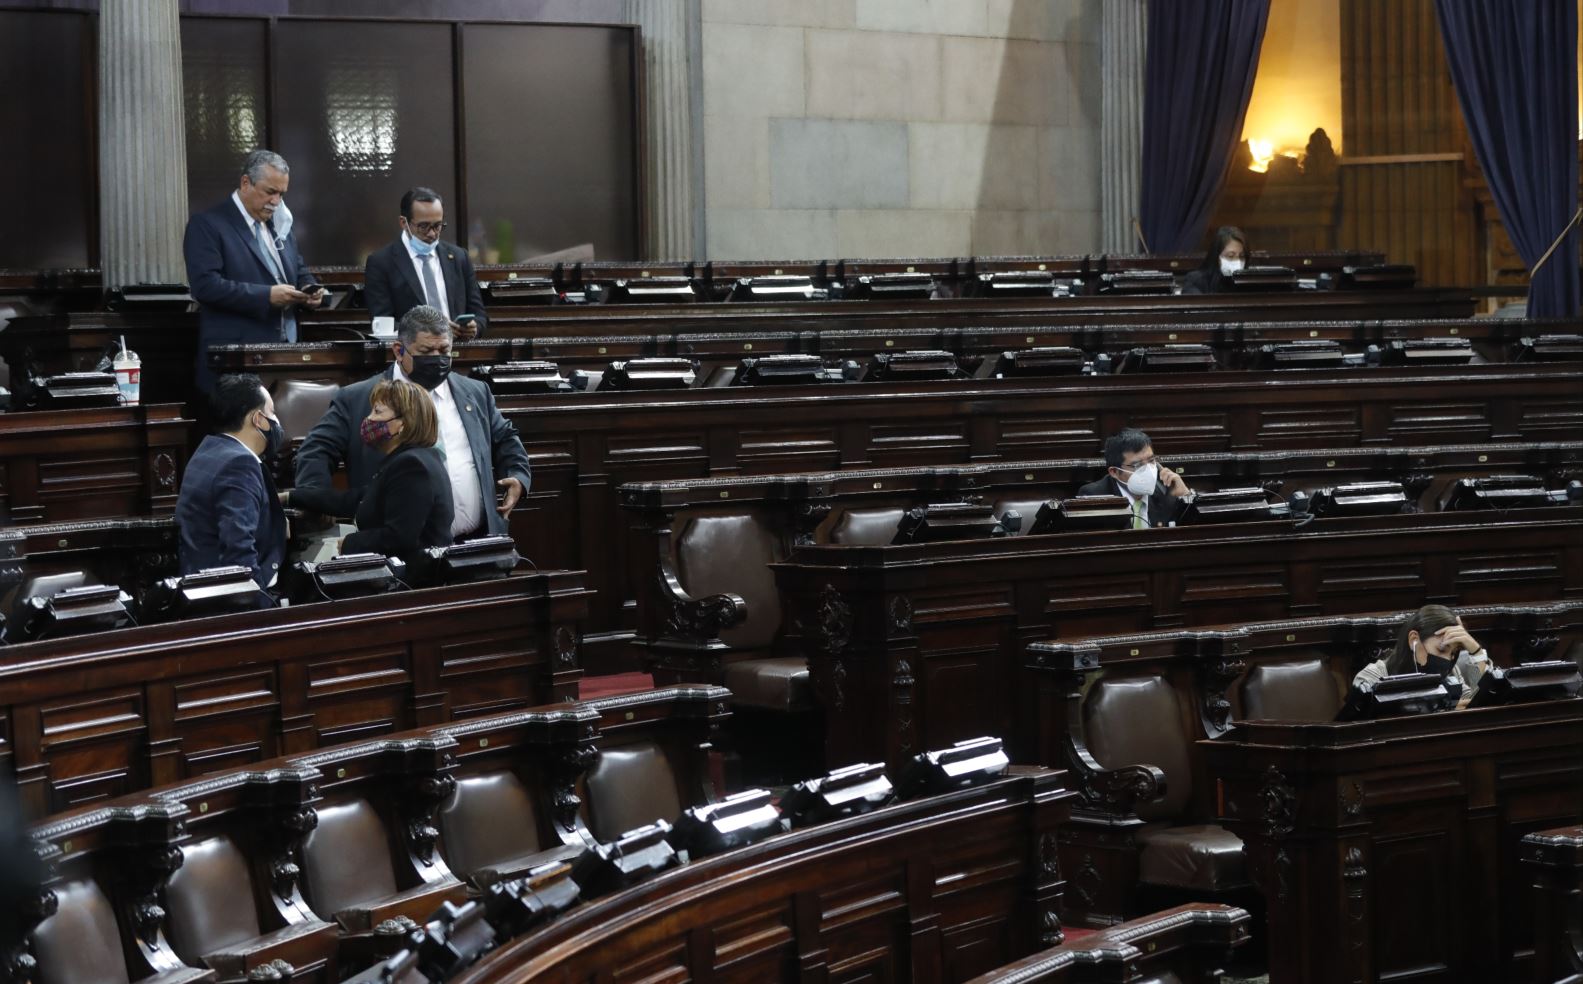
(407, 506)
(1225, 257)
(1432, 641)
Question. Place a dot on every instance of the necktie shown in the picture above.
(288, 318)
(431, 290)
(269, 254)
(1138, 522)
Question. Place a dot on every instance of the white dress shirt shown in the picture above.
(466, 494)
(443, 301)
(1126, 493)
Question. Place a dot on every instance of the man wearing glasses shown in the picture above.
(420, 268)
(1153, 491)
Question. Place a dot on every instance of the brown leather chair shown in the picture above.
(81, 944)
(1138, 721)
(716, 554)
(299, 404)
(866, 527)
(628, 787)
(347, 871)
(1299, 690)
(490, 827)
(212, 920)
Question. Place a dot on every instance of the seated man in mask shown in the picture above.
(228, 512)
(1153, 491)
(482, 449)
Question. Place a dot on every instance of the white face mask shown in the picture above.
(1228, 267)
(1143, 481)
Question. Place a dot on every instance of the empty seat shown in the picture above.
(717, 554)
(347, 859)
(866, 527)
(299, 404)
(1138, 721)
(1300, 690)
(776, 683)
(212, 920)
(489, 824)
(629, 787)
(81, 944)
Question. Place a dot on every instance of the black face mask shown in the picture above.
(430, 371)
(1438, 665)
(274, 439)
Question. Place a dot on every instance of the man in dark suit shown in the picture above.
(1154, 492)
(482, 449)
(228, 512)
(418, 268)
(243, 266)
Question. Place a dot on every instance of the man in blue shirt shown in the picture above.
(228, 512)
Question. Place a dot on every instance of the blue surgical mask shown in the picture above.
(419, 246)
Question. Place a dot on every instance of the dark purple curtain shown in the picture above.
(1201, 57)
(1514, 64)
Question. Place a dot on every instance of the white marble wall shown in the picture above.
(900, 127)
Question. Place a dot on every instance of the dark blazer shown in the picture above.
(1163, 506)
(1205, 280)
(405, 508)
(228, 512)
(230, 279)
(334, 440)
(391, 286)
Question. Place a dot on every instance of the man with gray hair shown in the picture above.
(484, 456)
(243, 266)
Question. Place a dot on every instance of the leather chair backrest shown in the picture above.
(300, 403)
(1300, 690)
(209, 901)
(44, 586)
(732, 553)
(1137, 721)
(1027, 508)
(80, 943)
(628, 787)
(866, 527)
(346, 858)
(489, 819)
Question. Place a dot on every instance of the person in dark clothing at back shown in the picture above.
(407, 506)
(1154, 492)
(1225, 257)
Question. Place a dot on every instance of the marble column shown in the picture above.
(142, 143)
(1121, 121)
(672, 126)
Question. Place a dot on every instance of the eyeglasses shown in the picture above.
(1140, 463)
(424, 228)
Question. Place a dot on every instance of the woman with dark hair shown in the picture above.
(407, 506)
(1225, 257)
(1432, 640)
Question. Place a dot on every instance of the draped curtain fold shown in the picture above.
(1514, 66)
(1198, 75)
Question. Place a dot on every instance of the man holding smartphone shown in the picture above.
(421, 268)
(243, 266)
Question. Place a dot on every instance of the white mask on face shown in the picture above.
(1228, 267)
(1143, 481)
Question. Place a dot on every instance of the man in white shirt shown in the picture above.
(482, 450)
(1153, 492)
(420, 268)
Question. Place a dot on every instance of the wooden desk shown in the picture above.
(104, 714)
(935, 889)
(584, 446)
(917, 646)
(66, 465)
(1388, 850)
